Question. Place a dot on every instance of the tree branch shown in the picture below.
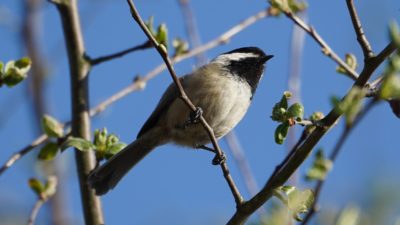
(162, 51)
(79, 70)
(119, 54)
(325, 47)
(35, 211)
(361, 38)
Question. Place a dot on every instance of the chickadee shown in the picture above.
(223, 89)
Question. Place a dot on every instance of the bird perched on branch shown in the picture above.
(222, 90)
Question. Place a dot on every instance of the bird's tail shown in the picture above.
(110, 173)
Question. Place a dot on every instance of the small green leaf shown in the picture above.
(111, 140)
(296, 111)
(100, 139)
(320, 168)
(390, 88)
(316, 116)
(292, 6)
(180, 46)
(281, 132)
(36, 186)
(298, 202)
(114, 149)
(351, 61)
(78, 143)
(16, 71)
(162, 35)
(351, 104)
(279, 111)
(52, 127)
(48, 151)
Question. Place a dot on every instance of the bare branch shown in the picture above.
(361, 38)
(106, 58)
(16, 156)
(325, 47)
(162, 51)
(35, 211)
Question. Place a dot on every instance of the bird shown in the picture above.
(222, 90)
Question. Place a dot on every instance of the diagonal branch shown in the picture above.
(35, 211)
(163, 53)
(326, 49)
(361, 38)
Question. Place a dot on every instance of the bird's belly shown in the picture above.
(223, 108)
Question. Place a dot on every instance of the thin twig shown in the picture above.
(16, 156)
(161, 50)
(139, 83)
(361, 38)
(119, 54)
(335, 152)
(325, 47)
(35, 211)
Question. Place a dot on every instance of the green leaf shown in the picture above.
(316, 116)
(292, 6)
(100, 139)
(48, 151)
(36, 186)
(16, 71)
(279, 111)
(111, 140)
(296, 111)
(320, 168)
(351, 61)
(298, 202)
(390, 88)
(52, 127)
(351, 104)
(162, 35)
(180, 46)
(281, 132)
(114, 149)
(78, 143)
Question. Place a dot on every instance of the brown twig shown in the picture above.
(162, 51)
(119, 54)
(361, 38)
(325, 47)
(35, 211)
(139, 83)
(335, 152)
(16, 156)
(79, 70)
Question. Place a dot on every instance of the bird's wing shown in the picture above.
(165, 102)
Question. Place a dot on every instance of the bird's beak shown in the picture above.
(267, 57)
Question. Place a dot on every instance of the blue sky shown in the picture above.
(174, 185)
